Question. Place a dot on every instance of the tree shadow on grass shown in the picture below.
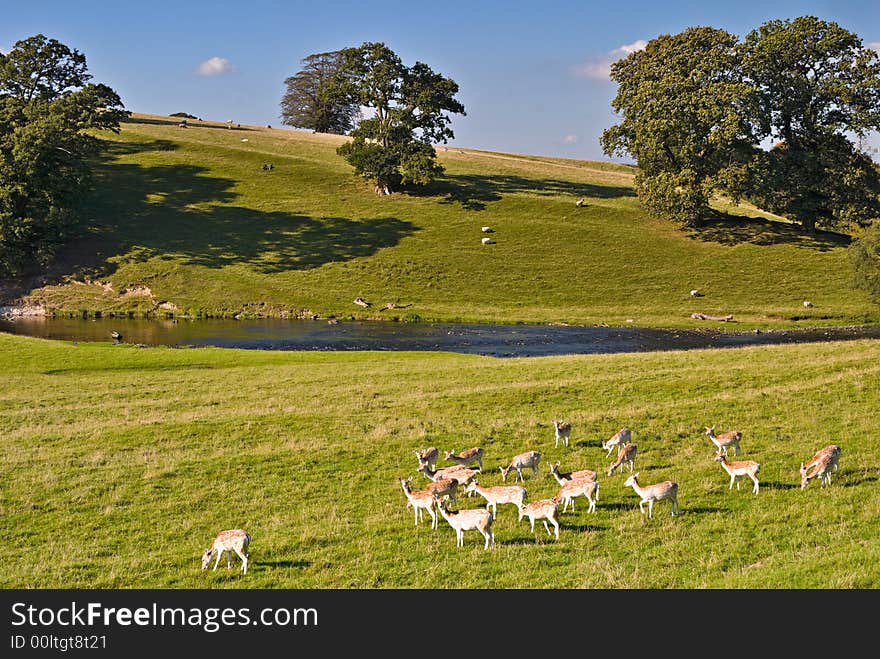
(283, 564)
(178, 212)
(727, 229)
(473, 191)
(775, 485)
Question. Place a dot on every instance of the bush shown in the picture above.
(183, 115)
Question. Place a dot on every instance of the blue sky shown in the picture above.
(532, 75)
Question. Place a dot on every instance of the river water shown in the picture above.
(481, 339)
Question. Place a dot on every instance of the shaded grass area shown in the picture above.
(190, 214)
(120, 464)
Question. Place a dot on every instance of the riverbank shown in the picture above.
(186, 224)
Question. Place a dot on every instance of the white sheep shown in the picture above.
(696, 293)
(488, 230)
(808, 304)
(488, 241)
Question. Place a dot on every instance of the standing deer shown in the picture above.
(563, 432)
(498, 494)
(476, 519)
(626, 455)
(579, 488)
(737, 470)
(467, 457)
(529, 459)
(443, 487)
(428, 456)
(545, 510)
(232, 540)
(562, 477)
(461, 474)
(822, 464)
(420, 500)
(620, 438)
(651, 493)
(724, 440)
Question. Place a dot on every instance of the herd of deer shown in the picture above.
(446, 481)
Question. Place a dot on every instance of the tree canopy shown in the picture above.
(409, 105)
(47, 107)
(310, 100)
(700, 108)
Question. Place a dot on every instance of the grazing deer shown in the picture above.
(725, 440)
(545, 510)
(476, 519)
(233, 540)
(822, 464)
(498, 494)
(651, 493)
(563, 432)
(461, 474)
(443, 487)
(562, 477)
(467, 457)
(626, 455)
(620, 438)
(529, 459)
(428, 456)
(579, 488)
(420, 500)
(737, 470)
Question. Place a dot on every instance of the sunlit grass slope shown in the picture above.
(188, 218)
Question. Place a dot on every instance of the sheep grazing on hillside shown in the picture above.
(488, 241)
(580, 202)
(696, 293)
(807, 304)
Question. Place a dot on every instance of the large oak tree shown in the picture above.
(47, 108)
(410, 108)
(310, 100)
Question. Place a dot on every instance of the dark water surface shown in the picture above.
(493, 340)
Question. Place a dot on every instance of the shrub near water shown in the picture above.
(121, 465)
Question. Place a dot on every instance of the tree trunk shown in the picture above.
(809, 224)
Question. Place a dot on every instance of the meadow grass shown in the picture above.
(191, 215)
(121, 463)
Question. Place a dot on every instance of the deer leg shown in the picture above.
(642, 506)
(732, 478)
(217, 560)
(651, 509)
(547, 528)
(229, 560)
(244, 560)
(556, 527)
(756, 484)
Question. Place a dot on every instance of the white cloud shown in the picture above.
(571, 138)
(874, 45)
(214, 67)
(599, 68)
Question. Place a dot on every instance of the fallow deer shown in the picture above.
(739, 469)
(725, 439)
(667, 490)
(232, 540)
(579, 488)
(529, 459)
(419, 500)
(476, 519)
(626, 455)
(514, 494)
(467, 457)
(621, 437)
(545, 510)
(563, 432)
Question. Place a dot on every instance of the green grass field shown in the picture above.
(187, 219)
(120, 464)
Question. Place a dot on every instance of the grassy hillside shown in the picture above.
(187, 219)
(121, 463)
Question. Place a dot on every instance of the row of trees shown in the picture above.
(408, 111)
(47, 107)
(700, 108)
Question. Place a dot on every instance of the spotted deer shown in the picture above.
(579, 488)
(667, 490)
(562, 477)
(232, 540)
(428, 456)
(739, 469)
(476, 519)
(419, 500)
(467, 457)
(821, 465)
(546, 510)
(443, 487)
(621, 437)
(563, 432)
(461, 474)
(626, 455)
(725, 440)
(499, 494)
(527, 460)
